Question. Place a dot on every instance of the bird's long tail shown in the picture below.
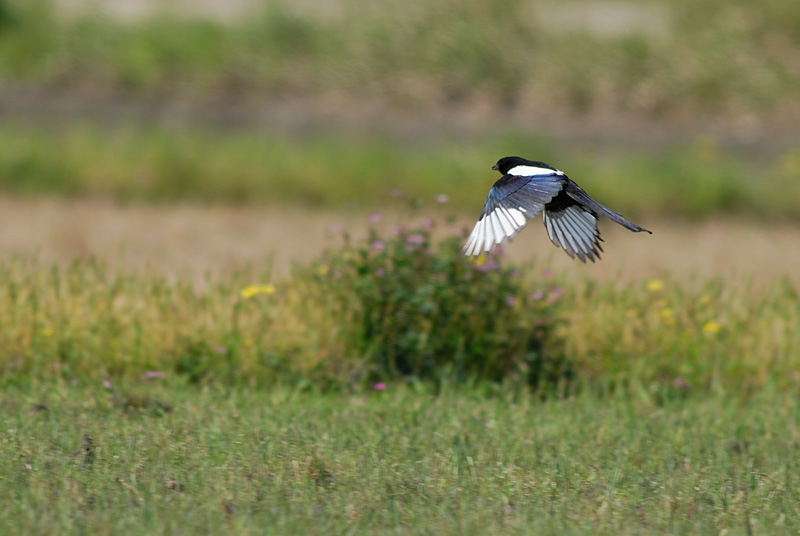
(579, 195)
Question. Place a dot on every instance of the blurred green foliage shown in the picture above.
(695, 58)
(695, 179)
(705, 57)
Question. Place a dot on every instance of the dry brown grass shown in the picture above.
(191, 240)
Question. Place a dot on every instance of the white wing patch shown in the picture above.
(532, 171)
(575, 231)
(494, 228)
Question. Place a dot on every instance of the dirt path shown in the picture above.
(188, 241)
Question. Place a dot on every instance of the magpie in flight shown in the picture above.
(526, 188)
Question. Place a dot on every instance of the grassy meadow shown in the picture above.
(389, 385)
(160, 457)
(394, 386)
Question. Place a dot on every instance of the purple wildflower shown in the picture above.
(442, 199)
(681, 384)
(378, 244)
(511, 301)
(107, 384)
(415, 239)
(374, 217)
(380, 386)
(152, 375)
(555, 294)
(379, 271)
(536, 296)
(427, 223)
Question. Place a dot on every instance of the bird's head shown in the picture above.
(506, 164)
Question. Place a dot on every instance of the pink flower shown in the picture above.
(334, 228)
(107, 384)
(547, 273)
(681, 384)
(152, 375)
(511, 301)
(538, 295)
(374, 217)
(397, 229)
(415, 239)
(555, 294)
(380, 386)
(378, 244)
(222, 350)
(427, 223)
(442, 199)
(380, 272)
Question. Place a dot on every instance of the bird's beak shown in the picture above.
(494, 167)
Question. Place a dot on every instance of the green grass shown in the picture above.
(138, 163)
(163, 458)
(135, 405)
(364, 314)
(714, 58)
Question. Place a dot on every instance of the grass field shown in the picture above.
(143, 404)
(89, 320)
(217, 315)
(160, 457)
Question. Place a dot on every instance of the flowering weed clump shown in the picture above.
(398, 305)
(424, 310)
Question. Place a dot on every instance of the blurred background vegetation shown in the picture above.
(663, 110)
(678, 108)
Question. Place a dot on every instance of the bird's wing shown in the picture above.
(511, 202)
(573, 226)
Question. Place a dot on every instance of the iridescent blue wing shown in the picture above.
(511, 202)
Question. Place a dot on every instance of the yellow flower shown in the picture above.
(251, 290)
(668, 316)
(711, 327)
(705, 299)
(656, 285)
(47, 332)
(322, 269)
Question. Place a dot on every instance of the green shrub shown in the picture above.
(416, 310)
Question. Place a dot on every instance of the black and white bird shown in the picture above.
(527, 188)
